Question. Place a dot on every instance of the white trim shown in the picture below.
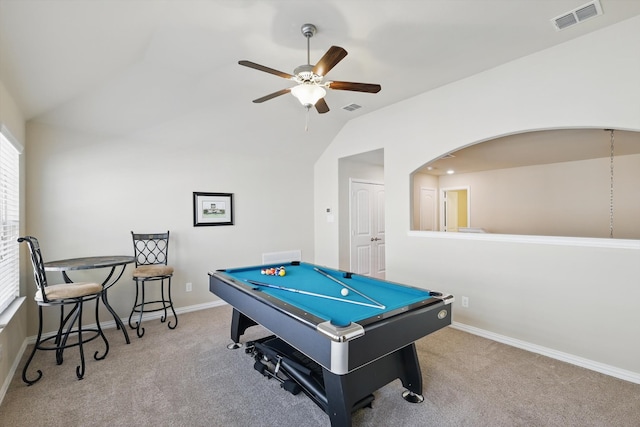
(146, 316)
(12, 139)
(543, 240)
(442, 200)
(5, 318)
(12, 371)
(10, 311)
(364, 181)
(565, 357)
(609, 370)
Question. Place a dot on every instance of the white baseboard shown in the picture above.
(146, 316)
(612, 371)
(158, 314)
(12, 371)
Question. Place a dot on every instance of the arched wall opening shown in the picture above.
(561, 182)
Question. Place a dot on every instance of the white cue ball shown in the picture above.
(344, 292)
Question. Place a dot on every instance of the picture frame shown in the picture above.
(212, 209)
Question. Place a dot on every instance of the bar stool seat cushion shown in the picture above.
(69, 290)
(156, 270)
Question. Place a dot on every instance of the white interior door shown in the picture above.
(427, 209)
(367, 229)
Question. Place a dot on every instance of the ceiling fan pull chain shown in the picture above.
(306, 122)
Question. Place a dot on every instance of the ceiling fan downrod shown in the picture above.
(308, 30)
(304, 73)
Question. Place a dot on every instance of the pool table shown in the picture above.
(360, 330)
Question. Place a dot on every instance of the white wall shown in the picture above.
(86, 193)
(571, 298)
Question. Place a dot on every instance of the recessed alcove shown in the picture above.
(546, 183)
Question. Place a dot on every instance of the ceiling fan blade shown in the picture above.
(322, 106)
(272, 95)
(356, 87)
(266, 69)
(334, 55)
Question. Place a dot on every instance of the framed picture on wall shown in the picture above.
(212, 209)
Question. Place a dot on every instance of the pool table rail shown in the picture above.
(335, 333)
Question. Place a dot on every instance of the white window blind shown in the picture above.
(9, 218)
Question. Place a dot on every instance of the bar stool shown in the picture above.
(151, 253)
(73, 295)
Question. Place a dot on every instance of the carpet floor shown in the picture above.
(187, 377)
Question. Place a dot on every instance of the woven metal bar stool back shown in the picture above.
(151, 252)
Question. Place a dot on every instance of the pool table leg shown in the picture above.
(339, 399)
(345, 391)
(412, 376)
(239, 324)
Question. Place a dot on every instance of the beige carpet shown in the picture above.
(187, 377)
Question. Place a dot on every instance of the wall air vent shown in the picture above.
(351, 107)
(577, 15)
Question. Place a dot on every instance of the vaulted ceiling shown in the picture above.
(141, 68)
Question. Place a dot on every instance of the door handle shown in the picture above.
(375, 239)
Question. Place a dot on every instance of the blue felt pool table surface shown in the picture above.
(330, 305)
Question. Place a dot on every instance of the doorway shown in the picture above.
(455, 210)
(367, 229)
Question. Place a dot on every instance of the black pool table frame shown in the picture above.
(356, 360)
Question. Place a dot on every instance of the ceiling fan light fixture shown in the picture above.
(308, 94)
(311, 88)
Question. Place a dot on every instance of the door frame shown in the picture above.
(351, 182)
(443, 201)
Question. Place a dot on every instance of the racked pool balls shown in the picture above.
(278, 271)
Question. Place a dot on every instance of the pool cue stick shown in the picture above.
(313, 294)
(324, 273)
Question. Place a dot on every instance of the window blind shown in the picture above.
(9, 218)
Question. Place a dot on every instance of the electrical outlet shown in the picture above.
(465, 302)
(189, 287)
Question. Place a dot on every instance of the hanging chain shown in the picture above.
(306, 122)
(611, 188)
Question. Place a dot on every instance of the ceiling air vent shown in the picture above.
(577, 15)
(351, 107)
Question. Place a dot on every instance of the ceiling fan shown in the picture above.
(310, 89)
